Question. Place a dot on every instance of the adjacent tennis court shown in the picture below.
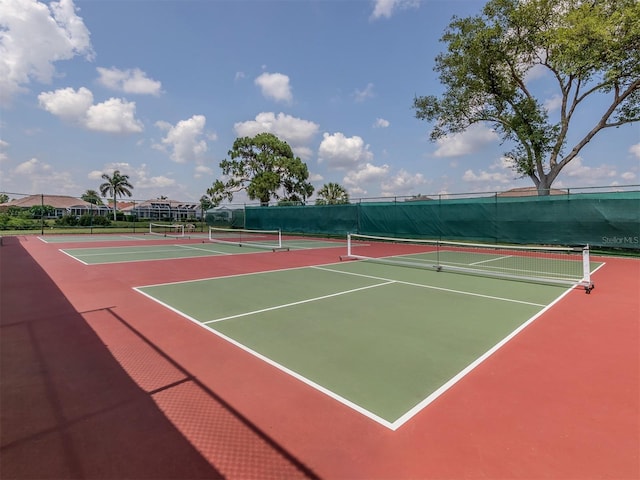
(225, 243)
(385, 340)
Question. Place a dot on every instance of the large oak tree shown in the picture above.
(266, 168)
(589, 48)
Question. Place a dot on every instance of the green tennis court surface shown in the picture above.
(96, 256)
(110, 237)
(385, 340)
(173, 250)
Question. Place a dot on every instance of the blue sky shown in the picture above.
(160, 89)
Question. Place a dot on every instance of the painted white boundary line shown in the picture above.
(292, 304)
(303, 379)
(149, 249)
(75, 258)
(420, 406)
(431, 287)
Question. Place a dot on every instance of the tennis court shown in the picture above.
(385, 340)
(409, 362)
(175, 248)
(107, 237)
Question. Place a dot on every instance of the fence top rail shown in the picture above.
(508, 194)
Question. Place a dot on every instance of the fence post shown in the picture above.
(42, 214)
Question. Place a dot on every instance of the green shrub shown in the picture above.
(67, 221)
(88, 220)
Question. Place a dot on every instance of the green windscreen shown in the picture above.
(597, 219)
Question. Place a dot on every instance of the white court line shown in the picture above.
(303, 379)
(446, 386)
(99, 254)
(200, 249)
(308, 300)
(75, 258)
(491, 260)
(459, 292)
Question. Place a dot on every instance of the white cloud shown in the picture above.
(184, 139)
(484, 176)
(31, 167)
(501, 173)
(295, 131)
(275, 86)
(33, 36)
(123, 167)
(537, 71)
(42, 177)
(157, 182)
(139, 177)
(381, 123)
(403, 183)
(466, 142)
(635, 150)
(341, 153)
(114, 115)
(363, 176)
(587, 175)
(628, 176)
(67, 103)
(202, 170)
(362, 95)
(553, 103)
(129, 81)
(3, 146)
(386, 8)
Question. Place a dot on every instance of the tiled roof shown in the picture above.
(56, 201)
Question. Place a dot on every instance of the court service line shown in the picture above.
(491, 260)
(459, 292)
(135, 252)
(308, 300)
(200, 249)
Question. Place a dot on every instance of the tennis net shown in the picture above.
(540, 264)
(166, 229)
(270, 239)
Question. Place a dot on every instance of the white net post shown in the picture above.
(586, 269)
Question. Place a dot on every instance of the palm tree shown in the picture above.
(92, 196)
(116, 185)
(332, 194)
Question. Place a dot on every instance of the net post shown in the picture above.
(586, 269)
(348, 244)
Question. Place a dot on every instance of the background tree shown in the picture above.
(332, 194)
(590, 49)
(262, 166)
(92, 196)
(205, 204)
(4, 198)
(116, 185)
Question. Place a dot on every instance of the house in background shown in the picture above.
(62, 205)
(162, 210)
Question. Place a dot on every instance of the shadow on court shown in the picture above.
(84, 395)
